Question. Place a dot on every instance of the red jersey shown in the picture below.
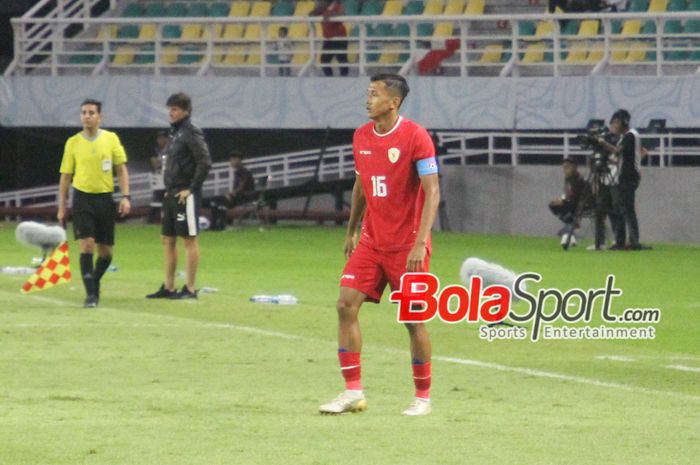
(386, 164)
(331, 28)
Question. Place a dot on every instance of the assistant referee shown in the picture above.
(89, 159)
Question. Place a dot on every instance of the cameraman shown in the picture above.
(628, 152)
(565, 207)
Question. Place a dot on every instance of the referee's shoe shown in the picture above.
(161, 293)
(183, 294)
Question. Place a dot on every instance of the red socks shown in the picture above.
(421, 378)
(350, 367)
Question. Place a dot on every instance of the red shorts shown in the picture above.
(369, 270)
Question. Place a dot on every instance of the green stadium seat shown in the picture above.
(414, 7)
(649, 28)
(694, 5)
(677, 5)
(571, 28)
(693, 26)
(176, 10)
(695, 56)
(171, 31)
(639, 6)
(282, 9)
(154, 10)
(526, 28)
(130, 31)
(425, 30)
(133, 10)
(351, 7)
(190, 58)
(198, 10)
(673, 27)
(219, 10)
(372, 8)
(402, 30)
(145, 56)
(676, 55)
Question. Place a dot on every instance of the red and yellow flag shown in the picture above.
(54, 271)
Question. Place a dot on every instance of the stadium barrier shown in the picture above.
(620, 43)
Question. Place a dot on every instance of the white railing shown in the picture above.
(507, 147)
(277, 170)
(378, 43)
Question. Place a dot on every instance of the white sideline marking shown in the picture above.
(684, 368)
(616, 358)
(458, 361)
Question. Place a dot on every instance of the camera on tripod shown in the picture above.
(591, 141)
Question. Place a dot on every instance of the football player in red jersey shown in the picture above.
(397, 189)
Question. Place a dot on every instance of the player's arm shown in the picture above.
(63, 186)
(431, 187)
(357, 208)
(123, 176)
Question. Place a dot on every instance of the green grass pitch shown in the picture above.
(226, 381)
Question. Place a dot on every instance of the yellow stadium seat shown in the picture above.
(147, 32)
(239, 9)
(444, 30)
(301, 54)
(534, 53)
(392, 8)
(252, 32)
(353, 52)
(658, 6)
(253, 55)
(260, 9)
(191, 32)
(107, 32)
(218, 55)
(303, 8)
(169, 54)
(475, 7)
(631, 27)
(273, 31)
(391, 54)
(124, 55)
(298, 30)
(544, 29)
(577, 53)
(454, 7)
(637, 52)
(235, 55)
(233, 31)
(492, 54)
(319, 30)
(588, 28)
(433, 7)
(597, 52)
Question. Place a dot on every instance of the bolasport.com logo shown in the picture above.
(420, 298)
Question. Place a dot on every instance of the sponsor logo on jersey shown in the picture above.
(180, 217)
(365, 152)
(394, 154)
(348, 276)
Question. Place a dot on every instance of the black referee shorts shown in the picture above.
(93, 216)
(180, 219)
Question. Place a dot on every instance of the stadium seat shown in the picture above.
(144, 56)
(190, 54)
(260, 9)
(649, 28)
(176, 10)
(171, 31)
(475, 7)
(446, 29)
(673, 27)
(351, 7)
(637, 52)
(677, 5)
(219, 10)
(492, 54)
(253, 55)
(392, 8)
(194, 32)
(589, 28)
(639, 6)
(544, 29)
(432, 8)
(577, 53)
(571, 28)
(301, 30)
(124, 55)
(414, 7)
(169, 54)
(391, 54)
(371, 8)
(147, 32)
(534, 53)
(235, 55)
(133, 10)
(239, 9)
(107, 31)
(619, 50)
(282, 9)
(596, 54)
(130, 31)
(301, 54)
(694, 5)
(657, 6)
(526, 28)
(154, 10)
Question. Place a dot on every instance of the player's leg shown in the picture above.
(349, 347)
(186, 226)
(104, 259)
(326, 58)
(104, 237)
(86, 245)
(84, 229)
(169, 241)
(192, 262)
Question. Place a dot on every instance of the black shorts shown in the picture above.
(93, 216)
(180, 219)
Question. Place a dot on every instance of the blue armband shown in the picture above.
(427, 166)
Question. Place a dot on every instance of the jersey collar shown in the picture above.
(396, 125)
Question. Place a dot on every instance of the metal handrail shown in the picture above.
(56, 49)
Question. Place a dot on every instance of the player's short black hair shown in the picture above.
(92, 101)
(180, 100)
(394, 82)
(283, 28)
(235, 153)
(622, 115)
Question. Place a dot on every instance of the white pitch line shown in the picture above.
(616, 358)
(684, 368)
(458, 361)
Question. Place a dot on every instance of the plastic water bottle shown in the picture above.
(112, 268)
(285, 299)
(208, 290)
(265, 299)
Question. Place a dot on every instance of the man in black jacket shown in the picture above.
(187, 164)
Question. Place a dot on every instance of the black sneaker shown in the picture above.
(162, 293)
(91, 301)
(183, 293)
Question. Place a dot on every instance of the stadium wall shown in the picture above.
(513, 200)
(312, 103)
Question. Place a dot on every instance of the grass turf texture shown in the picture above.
(223, 381)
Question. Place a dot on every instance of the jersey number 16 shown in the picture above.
(378, 186)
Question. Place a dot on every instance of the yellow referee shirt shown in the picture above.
(90, 161)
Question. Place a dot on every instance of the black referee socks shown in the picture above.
(101, 265)
(88, 273)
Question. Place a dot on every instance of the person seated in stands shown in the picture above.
(243, 192)
(565, 207)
